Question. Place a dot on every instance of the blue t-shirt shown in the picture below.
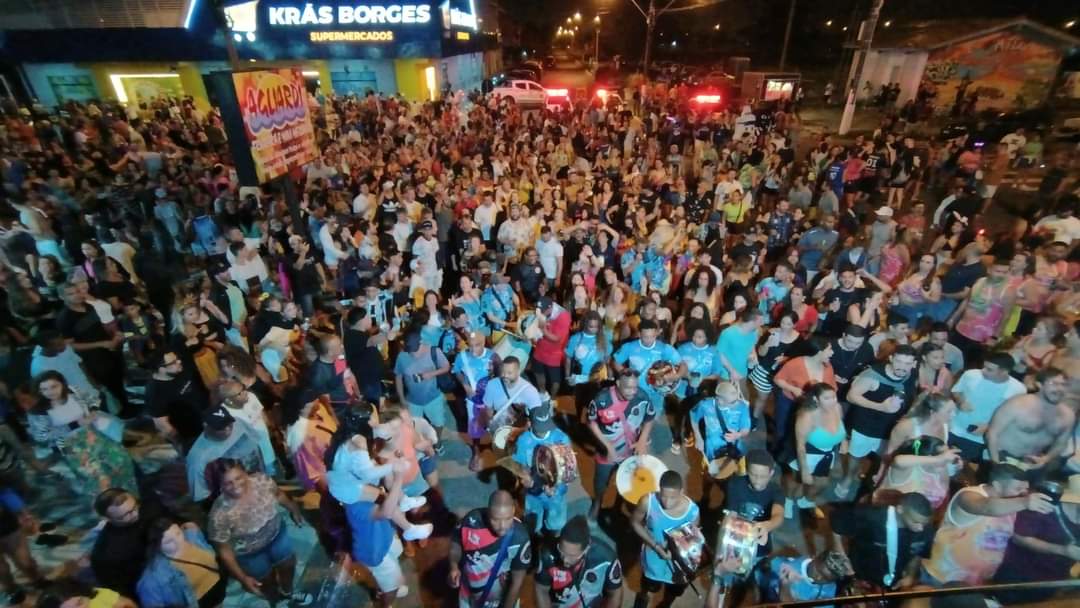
(706, 414)
(700, 362)
(474, 368)
(525, 447)
(770, 292)
(736, 345)
(640, 359)
(583, 352)
(408, 365)
(801, 590)
(371, 538)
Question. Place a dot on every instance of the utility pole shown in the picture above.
(866, 36)
(787, 35)
(650, 24)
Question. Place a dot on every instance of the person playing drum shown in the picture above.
(620, 418)
(490, 555)
(545, 497)
(579, 571)
(654, 516)
(500, 304)
(474, 367)
(754, 497)
(639, 355)
(510, 389)
(720, 424)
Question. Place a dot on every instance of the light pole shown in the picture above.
(787, 35)
(650, 22)
(865, 38)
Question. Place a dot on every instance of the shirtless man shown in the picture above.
(1068, 361)
(1033, 430)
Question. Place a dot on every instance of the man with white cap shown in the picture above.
(882, 231)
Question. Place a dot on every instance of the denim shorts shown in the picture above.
(428, 464)
(258, 564)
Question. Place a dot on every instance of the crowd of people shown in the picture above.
(826, 330)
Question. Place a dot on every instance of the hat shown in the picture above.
(715, 217)
(884, 211)
(1072, 490)
(544, 303)
(218, 267)
(540, 419)
(160, 193)
(218, 418)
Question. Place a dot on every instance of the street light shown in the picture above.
(596, 20)
(577, 16)
(828, 23)
(569, 20)
(1070, 24)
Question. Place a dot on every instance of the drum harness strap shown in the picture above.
(504, 548)
(621, 414)
(892, 545)
(509, 397)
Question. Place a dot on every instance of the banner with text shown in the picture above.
(273, 107)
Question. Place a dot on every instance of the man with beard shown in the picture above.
(175, 399)
(1032, 430)
(489, 555)
(578, 572)
(879, 396)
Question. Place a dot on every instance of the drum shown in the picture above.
(506, 425)
(738, 540)
(657, 377)
(687, 546)
(556, 463)
(511, 345)
(639, 476)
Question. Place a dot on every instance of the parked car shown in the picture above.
(523, 92)
(549, 62)
(521, 73)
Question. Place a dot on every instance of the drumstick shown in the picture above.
(508, 463)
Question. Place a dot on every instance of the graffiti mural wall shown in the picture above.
(1007, 69)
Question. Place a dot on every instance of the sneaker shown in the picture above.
(803, 503)
(410, 503)
(402, 592)
(300, 598)
(676, 448)
(439, 449)
(418, 531)
(789, 508)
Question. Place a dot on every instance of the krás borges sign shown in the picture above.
(349, 15)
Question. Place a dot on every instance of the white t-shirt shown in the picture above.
(485, 219)
(550, 252)
(361, 205)
(427, 251)
(1065, 229)
(1013, 142)
(985, 398)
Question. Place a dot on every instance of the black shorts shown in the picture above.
(673, 590)
(552, 374)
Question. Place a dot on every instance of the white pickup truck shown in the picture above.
(523, 92)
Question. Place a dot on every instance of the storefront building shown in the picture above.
(413, 48)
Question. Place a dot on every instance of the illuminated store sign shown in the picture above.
(313, 14)
(453, 17)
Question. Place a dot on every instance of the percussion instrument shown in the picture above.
(738, 540)
(722, 468)
(518, 345)
(639, 476)
(556, 464)
(687, 546)
(505, 425)
(658, 375)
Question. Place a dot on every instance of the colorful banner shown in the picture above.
(273, 107)
(1006, 69)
